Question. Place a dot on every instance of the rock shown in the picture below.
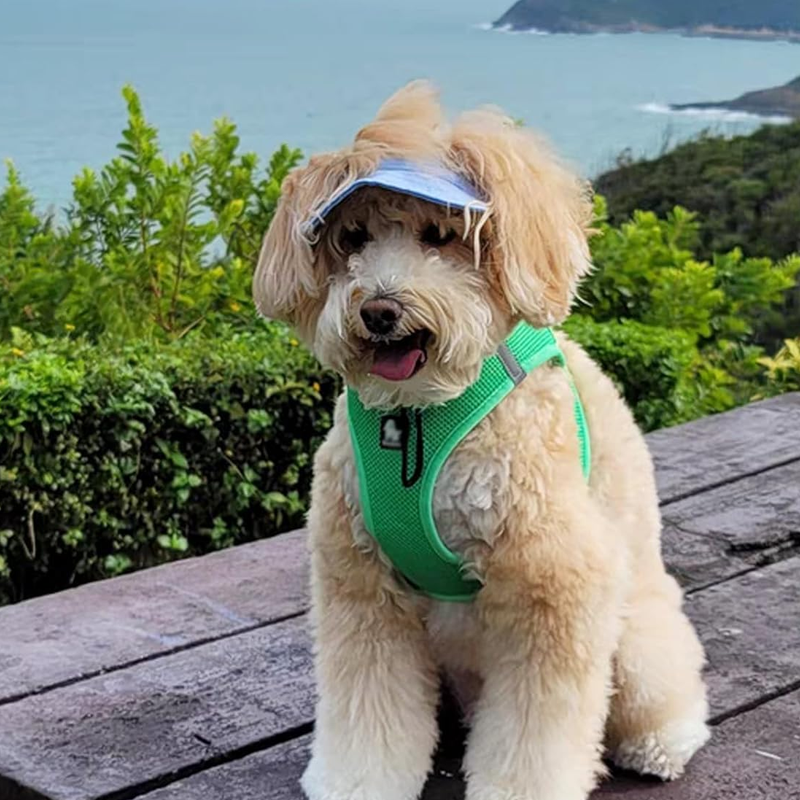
(781, 101)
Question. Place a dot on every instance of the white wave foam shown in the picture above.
(716, 114)
(509, 29)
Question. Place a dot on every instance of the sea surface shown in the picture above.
(310, 72)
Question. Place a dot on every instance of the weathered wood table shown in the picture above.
(193, 680)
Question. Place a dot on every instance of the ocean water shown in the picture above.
(310, 72)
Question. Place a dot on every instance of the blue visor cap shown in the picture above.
(426, 181)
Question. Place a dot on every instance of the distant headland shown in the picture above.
(778, 101)
(765, 20)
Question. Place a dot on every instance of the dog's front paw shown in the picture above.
(318, 785)
(323, 784)
(664, 753)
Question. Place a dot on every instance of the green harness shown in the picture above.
(397, 487)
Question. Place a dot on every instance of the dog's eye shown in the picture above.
(352, 240)
(433, 236)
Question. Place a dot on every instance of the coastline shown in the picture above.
(776, 115)
(773, 102)
(760, 34)
(700, 31)
(718, 112)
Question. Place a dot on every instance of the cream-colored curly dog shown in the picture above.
(576, 645)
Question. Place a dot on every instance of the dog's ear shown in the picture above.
(285, 277)
(541, 213)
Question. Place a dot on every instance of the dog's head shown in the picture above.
(405, 297)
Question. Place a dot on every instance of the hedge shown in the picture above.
(116, 459)
(650, 365)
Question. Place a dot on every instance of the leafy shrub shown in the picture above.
(784, 368)
(647, 272)
(118, 458)
(149, 248)
(651, 366)
(647, 269)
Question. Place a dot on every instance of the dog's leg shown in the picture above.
(376, 715)
(551, 616)
(657, 717)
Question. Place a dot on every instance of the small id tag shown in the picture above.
(392, 432)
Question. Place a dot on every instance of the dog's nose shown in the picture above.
(381, 316)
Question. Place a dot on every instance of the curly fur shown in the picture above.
(577, 643)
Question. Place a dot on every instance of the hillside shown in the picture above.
(780, 100)
(767, 19)
(746, 189)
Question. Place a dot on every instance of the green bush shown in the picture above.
(699, 315)
(651, 366)
(647, 269)
(784, 368)
(149, 247)
(118, 458)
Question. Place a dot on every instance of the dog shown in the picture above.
(575, 645)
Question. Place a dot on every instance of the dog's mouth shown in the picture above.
(401, 359)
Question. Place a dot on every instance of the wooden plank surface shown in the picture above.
(707, 452)
(132, 728)
(755, 756)
(750, 627)
(753, 513)
(697, 561)
(108, 734)
(725, 531)
(273, 774)
(100, 626)
(733, 767)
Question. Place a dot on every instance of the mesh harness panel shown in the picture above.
(399, 455)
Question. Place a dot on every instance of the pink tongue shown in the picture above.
(395, 364)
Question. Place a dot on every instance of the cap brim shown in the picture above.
(426, 182)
